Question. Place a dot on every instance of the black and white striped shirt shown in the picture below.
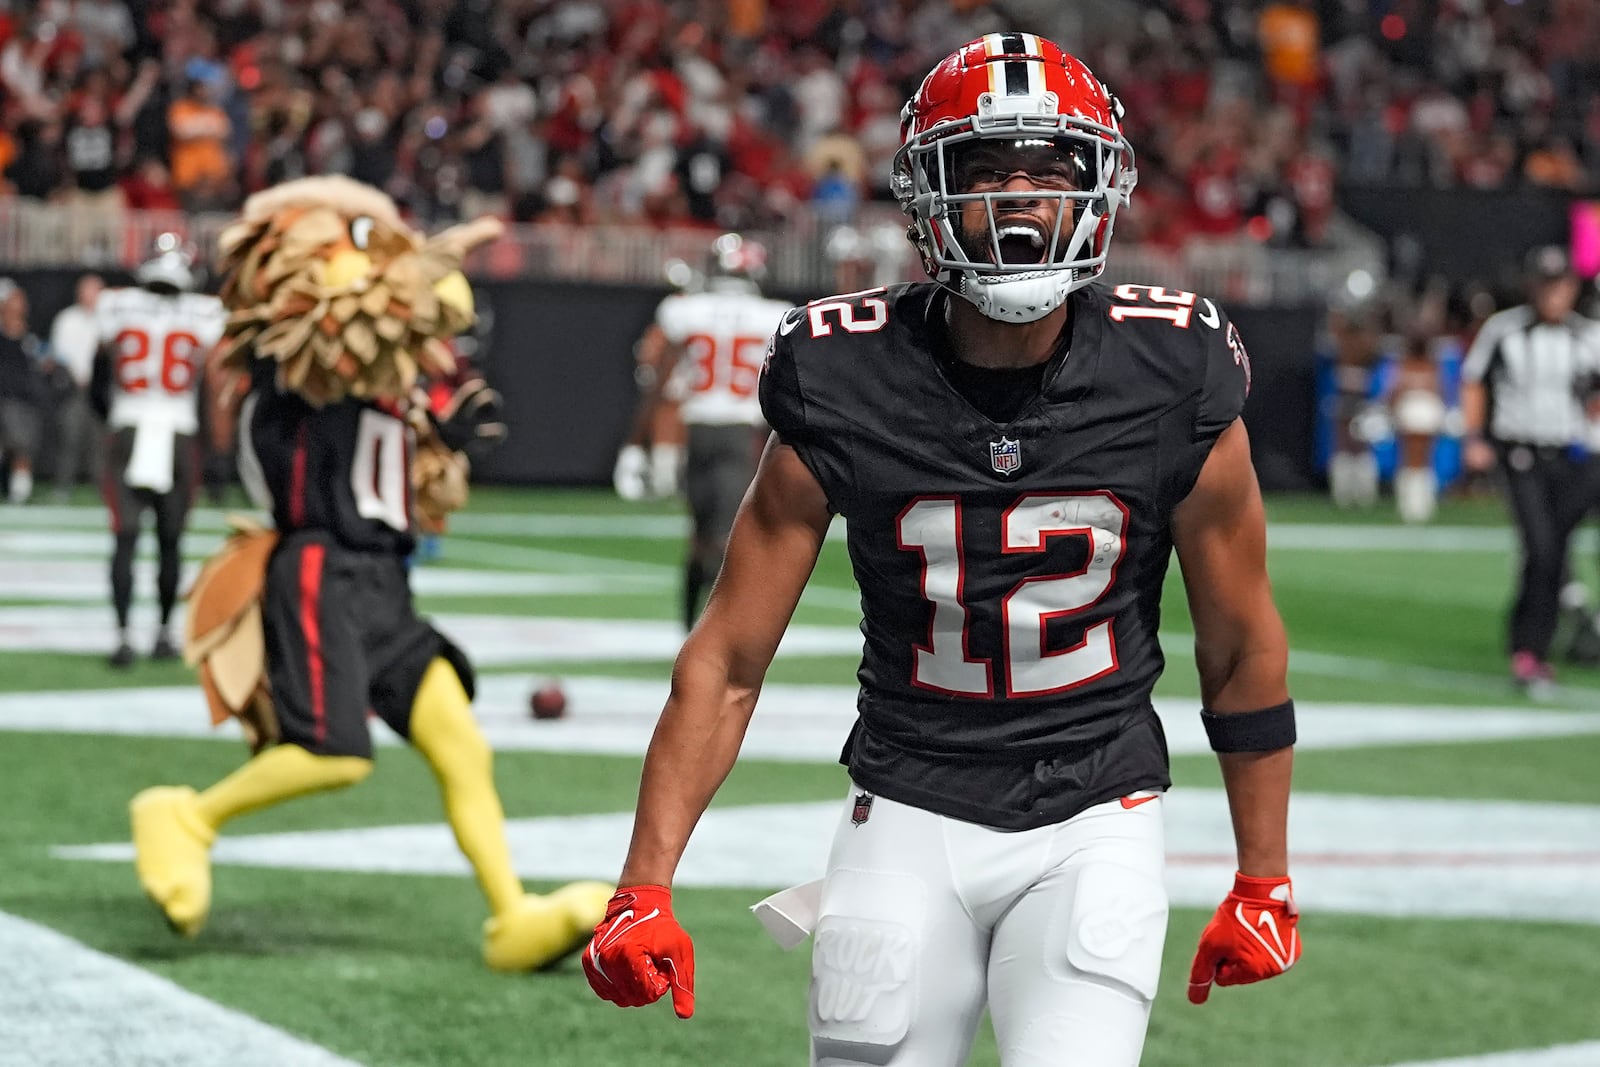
(1533, 372)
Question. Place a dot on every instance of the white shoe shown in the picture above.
(1416, 493)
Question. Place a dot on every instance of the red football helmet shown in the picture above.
(1003, 104)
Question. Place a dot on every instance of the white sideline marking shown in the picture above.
(1389, 856)
(93, 517)
(491, 639)
(799, 723)
(39, 563)
(1301, 536)
(1339, 537)
(641, 527)
(644, 526)
(1586, 1054)
(85, 581)
(508, 640)
(1334, 665)
(66, 1005)
(90, 545)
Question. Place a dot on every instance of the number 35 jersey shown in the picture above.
(158, 345)
(1010, 574)
(343, 469)
(723, 333)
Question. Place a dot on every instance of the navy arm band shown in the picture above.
(1250, 731)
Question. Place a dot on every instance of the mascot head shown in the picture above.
(324, 277)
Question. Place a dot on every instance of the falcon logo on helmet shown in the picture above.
(1005, 104)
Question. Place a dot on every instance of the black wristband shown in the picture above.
(1250, 731)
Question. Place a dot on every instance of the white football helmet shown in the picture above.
(737, 264)
(170, 267)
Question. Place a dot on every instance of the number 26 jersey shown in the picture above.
(158, 343)
(1010, 573)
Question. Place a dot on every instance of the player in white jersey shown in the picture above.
(155, 337)
(650, 459)
(720, 337)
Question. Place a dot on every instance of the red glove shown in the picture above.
(1251, 937)
(639, 951)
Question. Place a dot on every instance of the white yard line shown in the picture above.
(645, 527)
(1586, 1054)
(546, 559)
(1393, 856)
(797, 723)
(41, 561)
(62, 1004)
(1338, 537)
(86, 626)
(85, 581)
(1334, 665)
(1330, 537)
(489, 639)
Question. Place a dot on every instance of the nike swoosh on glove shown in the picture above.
(639, 951)
(1252, 937)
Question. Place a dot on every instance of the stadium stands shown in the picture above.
(746, 114)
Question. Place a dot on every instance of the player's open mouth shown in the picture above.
(1021, 243)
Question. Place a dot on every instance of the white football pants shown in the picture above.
(925, 919)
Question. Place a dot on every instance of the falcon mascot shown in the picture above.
(338, 314)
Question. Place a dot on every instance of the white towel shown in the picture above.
(150, 465)
(791, 914)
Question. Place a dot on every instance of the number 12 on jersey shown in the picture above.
(932, 527)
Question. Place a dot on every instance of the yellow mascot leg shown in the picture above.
(524, 931)
(173, 826)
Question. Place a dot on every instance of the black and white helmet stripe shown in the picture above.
(1023, 76)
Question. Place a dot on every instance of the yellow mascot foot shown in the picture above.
(172, 855)
(539, 930)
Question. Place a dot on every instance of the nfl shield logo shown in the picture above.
(1005, 455)
(862, 810)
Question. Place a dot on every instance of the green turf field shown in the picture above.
(1388, 626)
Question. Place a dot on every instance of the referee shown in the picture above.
(1525, 382)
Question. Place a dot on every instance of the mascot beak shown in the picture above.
(345, 266)
(455, 292)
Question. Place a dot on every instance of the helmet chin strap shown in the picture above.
(1020, 299)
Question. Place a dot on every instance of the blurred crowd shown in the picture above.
(737, 113)
(44, 391)
(1252, 109)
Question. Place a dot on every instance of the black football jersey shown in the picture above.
(343, 469)
(1010, 574)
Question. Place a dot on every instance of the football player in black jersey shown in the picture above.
(341, 634)
(1018, 450)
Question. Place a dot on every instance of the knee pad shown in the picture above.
(1112, 931)
(864, 966)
